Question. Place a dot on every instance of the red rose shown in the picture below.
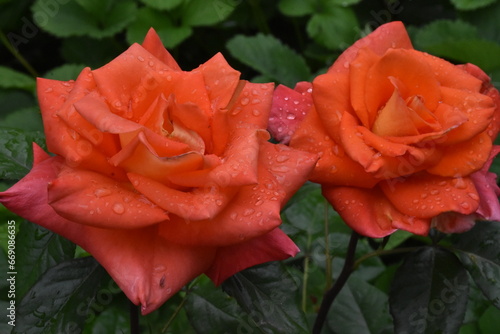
(400, 134)
(161, 174)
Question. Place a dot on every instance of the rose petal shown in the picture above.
(388, 36)
(370, 213)
(252, 105)
(253, 211)
(199, 204)
(452, 222)
(221, 81)
(146, 267)
(407, 66)
(358, 70)
(272, 246)
(463, 158)
(90, 198)
(334, 166)
(288, 110)
(477, 108)
(154, 45)
(487, 89)
(487, 188)
(425, 196)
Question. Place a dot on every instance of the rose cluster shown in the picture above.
(163, 174)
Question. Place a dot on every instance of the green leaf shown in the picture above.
(210, 310)
(360, 308)
(113, 320)
(90, 51)
(38, 250)
(64, 72)
(490, 320)
(71, 19)
(170, 34)
(206, 12)
(479, 251)
(27, 119)
(60, 301)
(458, 41)
(16, 152)
(268, 294)
(486, 21)
(336, 28)
(162, 4)
(429, 293)
(270, 57)
(12, 100)
(296, 7)
(397, 238)
(345, 3)
(10, 78)
(471, 4)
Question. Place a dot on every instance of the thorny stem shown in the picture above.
(330, 295)
(18, 56)
(134, 319)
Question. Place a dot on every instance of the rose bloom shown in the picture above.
(404, 138)
(161, 174)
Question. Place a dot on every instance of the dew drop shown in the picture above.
(255, 101)
(140, 58)
(118, 208)
(248, 212)
(465, 205)
(151, 63)
(282, 158)
(102, 192)
(434, 191)
(218, 202)
(245, 101)
(233, 215)
(259, 202)
(473, 196)
(290, 116)
(48, 90)
(459, 183)
(256, 112)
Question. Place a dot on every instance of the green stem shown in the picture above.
(134, 319)
(16, 54)
(328, 258)
(304, 281)
(259, 17)
(382, 252)
(180, 306)
(330, 295)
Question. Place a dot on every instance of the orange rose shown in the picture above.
(399, 133)
(161, 174)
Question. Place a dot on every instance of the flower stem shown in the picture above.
(328, 258)
(18, 56)
(330, 295)
(134, 319)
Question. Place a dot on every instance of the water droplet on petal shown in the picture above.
(245, 101)
(473, 196)
(102, 192)
(282, 158)
(290, 116)
(140, 58)
(465, 205)
(118, 208)
(248, 212)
